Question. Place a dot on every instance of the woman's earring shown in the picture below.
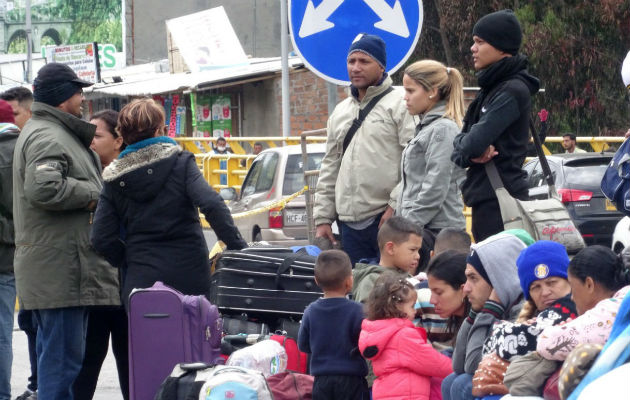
(431, 96)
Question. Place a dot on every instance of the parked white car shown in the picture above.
(621, 236)
(276, 173)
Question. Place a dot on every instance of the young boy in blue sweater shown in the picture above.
(330, 333)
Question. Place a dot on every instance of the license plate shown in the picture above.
(610, 206)
(294, 217)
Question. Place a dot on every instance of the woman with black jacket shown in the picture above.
(147, 219)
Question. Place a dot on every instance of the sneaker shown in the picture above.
(27, 395)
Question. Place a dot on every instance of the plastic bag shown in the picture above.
(267, 356)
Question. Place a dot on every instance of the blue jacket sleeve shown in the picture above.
(213, 207)
(105, 234)
(496, 116)
(303, 335)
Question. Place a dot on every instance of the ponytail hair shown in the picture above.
(390, 290)
(602, 265)
(448, 80)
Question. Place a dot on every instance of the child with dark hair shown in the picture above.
(330, 333)
(403, 361)
(399, 241)
(451, 239)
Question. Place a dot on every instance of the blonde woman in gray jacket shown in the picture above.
(430, 193)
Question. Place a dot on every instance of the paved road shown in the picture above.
(107, 388)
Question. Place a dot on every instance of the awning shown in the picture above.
(153, 83)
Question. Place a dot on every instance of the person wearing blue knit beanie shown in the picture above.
(366, 131)
(538, 265)
(542, 270)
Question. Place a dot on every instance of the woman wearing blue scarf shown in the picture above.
(147, 219)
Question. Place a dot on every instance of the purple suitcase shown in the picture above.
(167, 328)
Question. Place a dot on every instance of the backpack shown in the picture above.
(225, 382)
(616, 181)
(202, 381)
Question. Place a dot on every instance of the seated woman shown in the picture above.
(446, 277)
(599, 281)
(493, 289)
(542, 271)
(147, 219)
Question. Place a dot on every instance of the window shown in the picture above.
(261, 174)
(294, 174)
(537, 177)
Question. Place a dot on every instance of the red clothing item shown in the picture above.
(404, 362)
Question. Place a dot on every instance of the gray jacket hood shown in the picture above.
(498, 255)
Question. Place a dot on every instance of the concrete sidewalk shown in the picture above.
(107, 388)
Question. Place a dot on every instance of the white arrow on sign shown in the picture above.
(316, 19)
(392, 19)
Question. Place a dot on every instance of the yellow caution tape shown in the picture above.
(277, 205)
(217, 248)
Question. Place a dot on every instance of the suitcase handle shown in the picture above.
(196, 366)
(286, 266)
(156, 315)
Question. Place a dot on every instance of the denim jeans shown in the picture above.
(361, 244)
(7, 310)
(457, 387)
(60, 347)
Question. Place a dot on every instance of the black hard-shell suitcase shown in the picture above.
(264, 280)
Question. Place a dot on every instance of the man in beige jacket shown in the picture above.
(358, 179)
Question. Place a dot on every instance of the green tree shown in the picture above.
(92, 20)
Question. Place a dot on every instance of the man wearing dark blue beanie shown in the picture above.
(496, 125)
(57, 182)
(359, 173)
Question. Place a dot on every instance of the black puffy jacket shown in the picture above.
(147, 220)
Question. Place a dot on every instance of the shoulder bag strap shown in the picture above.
(356, 123)
(493, 175)
(508, 205)
(544, 164)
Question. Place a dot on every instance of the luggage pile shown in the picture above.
(178, 344)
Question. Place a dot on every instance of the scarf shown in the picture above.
(488, 79)
(145, 143)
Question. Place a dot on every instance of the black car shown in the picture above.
(577, 177)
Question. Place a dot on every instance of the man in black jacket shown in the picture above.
(496, 123)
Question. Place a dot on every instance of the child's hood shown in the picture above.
(375, 335)
(360, 271)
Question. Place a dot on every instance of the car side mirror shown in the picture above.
(228, 194)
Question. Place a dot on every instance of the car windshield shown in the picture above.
(294, 175)
(585, 175)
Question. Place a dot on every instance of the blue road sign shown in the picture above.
(323, 30)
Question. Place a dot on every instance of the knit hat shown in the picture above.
(625, 71)
(56, 83)
(6, 112)
(474, 260)
(541, 260)
(371, 45)
(501, 29)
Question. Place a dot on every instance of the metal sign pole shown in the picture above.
(284, 48)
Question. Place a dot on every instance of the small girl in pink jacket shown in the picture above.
(406, 366)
